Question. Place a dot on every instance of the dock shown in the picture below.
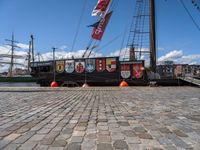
(100, 118)
(191, 80)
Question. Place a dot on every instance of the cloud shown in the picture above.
(65, 55)
(179, 58)
(23, 46)
(173, 55)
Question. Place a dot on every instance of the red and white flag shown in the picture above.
(101, 7)
(98, 31)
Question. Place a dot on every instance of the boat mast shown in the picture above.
(152, 36)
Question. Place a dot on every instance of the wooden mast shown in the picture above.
(152, 36)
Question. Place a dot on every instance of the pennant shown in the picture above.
(98, 31)
(60, 66)
(80, 66)
(125, 71)
(69, 66)
(101, 7)
(95, 25)
(100, 64)
(90, 65)
(111, 64)
(137, 71)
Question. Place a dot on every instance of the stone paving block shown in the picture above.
(73, 146)
(139, 130)
(23, 138)
(103, 138)
(12, 137)
(37, 137)
(88, 145)
(59, 143)
(164, 141)
(104, 146)
(170, 147)
(129, 133)
(164, 130)
(123, 123)
(56, 148)
(121, 145)
(11, 147)
(132, 140)
(78, 133)
(28, 146)
(91, 136)
(41, 147)
(3, 143)
(44, 131)
(4, 133)
(145, 136)
(76, 139)
(180, 133)
(137, 147)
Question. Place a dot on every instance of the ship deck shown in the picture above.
(102, 118)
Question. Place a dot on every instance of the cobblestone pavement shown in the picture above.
(107, 118)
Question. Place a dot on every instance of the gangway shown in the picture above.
(191, 80)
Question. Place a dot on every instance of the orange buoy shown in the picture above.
(123, 84)
(85, 85)
(54, 84)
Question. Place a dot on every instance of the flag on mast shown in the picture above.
(101, 7)
(98, 31)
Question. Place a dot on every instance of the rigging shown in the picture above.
(190, 15)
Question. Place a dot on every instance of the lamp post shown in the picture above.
(54, 66)
(54, 83)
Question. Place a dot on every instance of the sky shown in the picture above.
(54, 23)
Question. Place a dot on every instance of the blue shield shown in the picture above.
(90, 65)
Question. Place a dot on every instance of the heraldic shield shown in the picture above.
(137, 71)
(60, 66)
(100, 64)
(111, 64)
(80, 66)
(90, 65)
(69, 66)
(125, 71)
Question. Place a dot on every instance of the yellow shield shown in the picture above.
(60, 66)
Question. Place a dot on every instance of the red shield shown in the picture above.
(80, 66)
(137, 71)
(100, 65)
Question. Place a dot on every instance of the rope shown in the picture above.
(194, 22)
(79, 23)
(87, 48)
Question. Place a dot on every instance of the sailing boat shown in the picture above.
(100, 71)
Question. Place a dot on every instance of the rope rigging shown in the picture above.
(79, 23)
(190, 15)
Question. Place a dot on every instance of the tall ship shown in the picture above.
(109, 71)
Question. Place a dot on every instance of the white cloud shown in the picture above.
(179, 58)
(23, 46)
(173, 55)
(65, 55)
